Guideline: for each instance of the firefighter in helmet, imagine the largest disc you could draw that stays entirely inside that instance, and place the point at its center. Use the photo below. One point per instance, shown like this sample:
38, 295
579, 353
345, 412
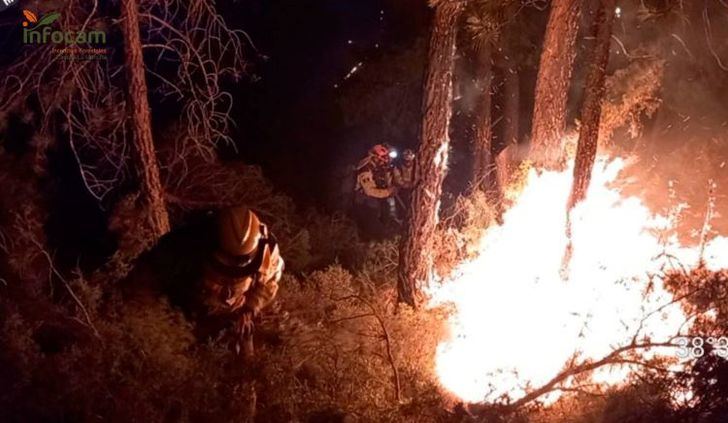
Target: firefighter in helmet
375, 189
404, 177
404, 173
242, 276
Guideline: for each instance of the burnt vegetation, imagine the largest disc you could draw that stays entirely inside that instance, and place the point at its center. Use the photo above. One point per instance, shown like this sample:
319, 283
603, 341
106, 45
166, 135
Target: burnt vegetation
111, 171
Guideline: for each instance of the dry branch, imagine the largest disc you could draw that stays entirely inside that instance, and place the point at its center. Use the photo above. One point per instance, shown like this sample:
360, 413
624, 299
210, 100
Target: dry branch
387, 340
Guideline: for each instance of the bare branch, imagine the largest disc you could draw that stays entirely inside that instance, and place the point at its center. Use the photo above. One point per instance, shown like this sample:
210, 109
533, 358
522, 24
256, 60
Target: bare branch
387, 341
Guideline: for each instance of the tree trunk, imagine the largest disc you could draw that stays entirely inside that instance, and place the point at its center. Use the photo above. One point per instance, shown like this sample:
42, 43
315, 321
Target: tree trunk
511, 99
416, 257
507, 158
552, 84
592, 107
145, 158
483, 142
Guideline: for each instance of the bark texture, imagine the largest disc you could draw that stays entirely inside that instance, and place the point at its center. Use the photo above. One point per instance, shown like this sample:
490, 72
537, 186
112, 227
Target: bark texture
592, 107
416, 256
552, 84
145, 158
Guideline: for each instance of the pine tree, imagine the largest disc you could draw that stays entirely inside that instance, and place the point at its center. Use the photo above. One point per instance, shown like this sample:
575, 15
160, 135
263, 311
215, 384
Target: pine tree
415, 258
592, 107
485, 21
152, 194
552, 84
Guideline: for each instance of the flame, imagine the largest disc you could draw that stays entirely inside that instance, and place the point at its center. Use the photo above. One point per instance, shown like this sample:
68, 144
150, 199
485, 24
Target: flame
519, 319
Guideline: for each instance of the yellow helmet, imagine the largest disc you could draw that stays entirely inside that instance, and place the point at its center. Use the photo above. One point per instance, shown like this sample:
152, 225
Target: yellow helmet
239, 231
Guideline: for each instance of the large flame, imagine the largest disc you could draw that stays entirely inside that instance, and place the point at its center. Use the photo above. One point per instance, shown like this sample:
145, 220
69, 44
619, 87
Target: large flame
519, 318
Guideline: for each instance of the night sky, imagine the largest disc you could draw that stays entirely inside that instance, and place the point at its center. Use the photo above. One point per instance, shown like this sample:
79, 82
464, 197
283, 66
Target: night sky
287, 116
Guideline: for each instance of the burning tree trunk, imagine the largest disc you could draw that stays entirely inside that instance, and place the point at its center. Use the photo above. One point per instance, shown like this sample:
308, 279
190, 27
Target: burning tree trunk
415, 258
145, 156
552, 85
482, 148
592, 108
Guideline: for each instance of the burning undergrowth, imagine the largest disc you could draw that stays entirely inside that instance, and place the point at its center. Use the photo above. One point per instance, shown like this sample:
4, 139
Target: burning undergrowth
527, 322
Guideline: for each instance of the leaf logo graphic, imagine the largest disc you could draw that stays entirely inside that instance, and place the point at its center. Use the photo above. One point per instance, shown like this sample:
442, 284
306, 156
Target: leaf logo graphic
45, 20
30, 16
49, 18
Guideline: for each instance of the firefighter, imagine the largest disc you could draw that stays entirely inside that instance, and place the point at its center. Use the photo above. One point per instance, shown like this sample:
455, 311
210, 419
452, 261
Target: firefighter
374, 198
404, 178
242, 275
404, 173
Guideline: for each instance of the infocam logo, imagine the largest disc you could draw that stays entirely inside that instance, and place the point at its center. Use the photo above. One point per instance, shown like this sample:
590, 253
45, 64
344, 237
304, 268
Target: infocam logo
39, 31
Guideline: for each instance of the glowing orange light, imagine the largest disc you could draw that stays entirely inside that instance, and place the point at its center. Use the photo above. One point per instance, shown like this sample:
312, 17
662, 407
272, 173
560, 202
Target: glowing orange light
518, 321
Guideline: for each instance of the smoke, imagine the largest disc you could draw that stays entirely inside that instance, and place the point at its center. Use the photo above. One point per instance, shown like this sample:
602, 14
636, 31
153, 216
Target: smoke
680, 138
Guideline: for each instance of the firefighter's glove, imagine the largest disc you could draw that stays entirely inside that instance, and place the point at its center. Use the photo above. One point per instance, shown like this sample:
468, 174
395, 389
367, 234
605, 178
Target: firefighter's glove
244, 330
245, 325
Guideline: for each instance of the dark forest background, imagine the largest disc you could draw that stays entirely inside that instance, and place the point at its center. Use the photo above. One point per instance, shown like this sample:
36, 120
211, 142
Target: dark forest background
79, 344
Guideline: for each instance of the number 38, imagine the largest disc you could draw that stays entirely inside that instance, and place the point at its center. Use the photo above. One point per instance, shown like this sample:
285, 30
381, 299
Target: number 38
690, 347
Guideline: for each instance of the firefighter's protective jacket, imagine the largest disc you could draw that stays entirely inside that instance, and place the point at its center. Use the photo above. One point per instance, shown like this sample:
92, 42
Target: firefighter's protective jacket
404, 176
248, 282
374, 181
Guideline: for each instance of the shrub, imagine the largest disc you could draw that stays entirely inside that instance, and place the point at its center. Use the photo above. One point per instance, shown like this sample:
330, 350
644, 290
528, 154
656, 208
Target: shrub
337, 332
